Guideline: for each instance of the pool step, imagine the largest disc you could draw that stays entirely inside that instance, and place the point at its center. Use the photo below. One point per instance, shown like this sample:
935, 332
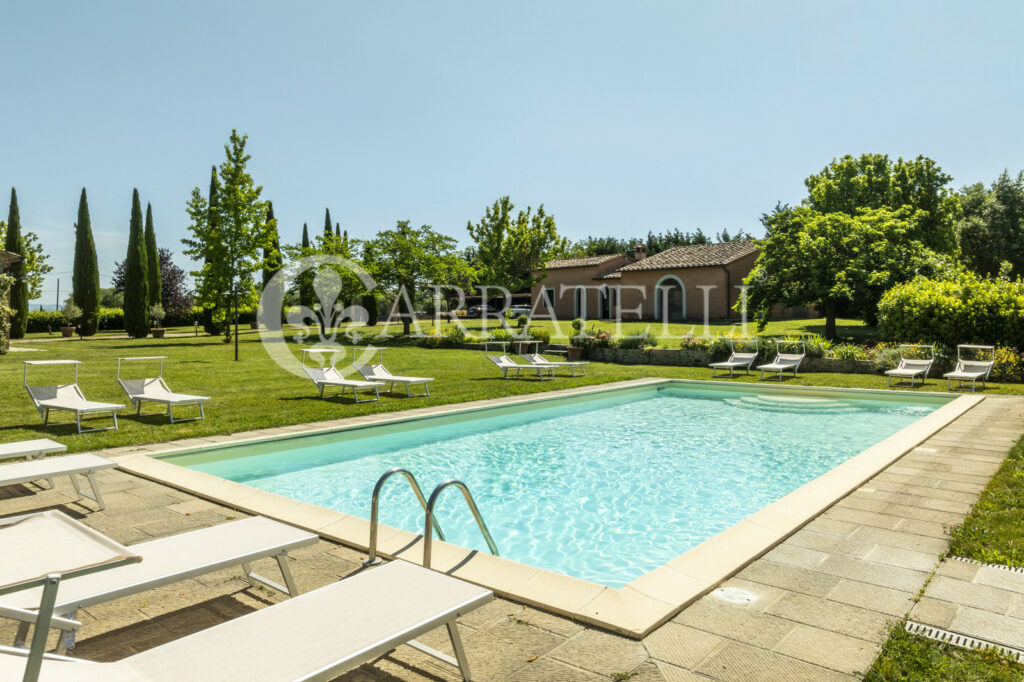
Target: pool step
775, 403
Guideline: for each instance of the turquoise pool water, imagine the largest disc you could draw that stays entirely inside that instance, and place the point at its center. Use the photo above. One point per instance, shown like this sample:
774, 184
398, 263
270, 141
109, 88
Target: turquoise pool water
603, 488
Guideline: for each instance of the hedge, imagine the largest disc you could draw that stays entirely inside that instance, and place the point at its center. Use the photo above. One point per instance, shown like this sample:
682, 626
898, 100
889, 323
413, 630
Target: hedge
964, 309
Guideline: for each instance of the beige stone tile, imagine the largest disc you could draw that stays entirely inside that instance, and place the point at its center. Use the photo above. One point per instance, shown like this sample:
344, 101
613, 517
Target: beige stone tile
831, 544
829, 615
681, 645
600, 652
926, 528
626, 611
989, 626
498, 574
998, 577
737, 662
789, 578
725, 553
892, 538
668, 585
673, 673
735, 622
883, 599
561, 593
547, 669
934, 612
904, 558
875, 574
793, 555
958, 570
829, 650
969, 594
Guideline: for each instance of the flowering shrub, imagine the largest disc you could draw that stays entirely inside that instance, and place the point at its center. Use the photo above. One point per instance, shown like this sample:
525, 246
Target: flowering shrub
1009, 365
642, 340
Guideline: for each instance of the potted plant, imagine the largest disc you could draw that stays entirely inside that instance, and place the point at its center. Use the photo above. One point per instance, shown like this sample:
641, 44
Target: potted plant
156, 316
71, 314
575, 350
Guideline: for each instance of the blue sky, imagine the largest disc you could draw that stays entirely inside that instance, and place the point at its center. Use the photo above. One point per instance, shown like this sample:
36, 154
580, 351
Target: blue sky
619, 117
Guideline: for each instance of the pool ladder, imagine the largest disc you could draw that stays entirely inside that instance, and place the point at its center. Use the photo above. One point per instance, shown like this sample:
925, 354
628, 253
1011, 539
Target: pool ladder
430, 523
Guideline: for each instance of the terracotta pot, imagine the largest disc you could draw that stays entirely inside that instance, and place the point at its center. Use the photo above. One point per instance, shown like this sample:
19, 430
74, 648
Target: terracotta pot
158, 332
254, 325
67, 331
573, 353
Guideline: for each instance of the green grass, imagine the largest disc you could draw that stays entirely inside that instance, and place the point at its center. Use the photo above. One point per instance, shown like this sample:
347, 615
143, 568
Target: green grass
994, 530
256, 393
846, 330
911, 658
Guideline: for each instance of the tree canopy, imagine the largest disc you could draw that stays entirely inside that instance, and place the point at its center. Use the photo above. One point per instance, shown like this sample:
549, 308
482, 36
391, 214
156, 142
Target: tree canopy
407, 259
849, 185
839, 262
510, 245
991, 230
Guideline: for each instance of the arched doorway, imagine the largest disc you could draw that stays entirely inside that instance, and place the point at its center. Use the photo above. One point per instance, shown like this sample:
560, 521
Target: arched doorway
670, 299
579, 303
605, 301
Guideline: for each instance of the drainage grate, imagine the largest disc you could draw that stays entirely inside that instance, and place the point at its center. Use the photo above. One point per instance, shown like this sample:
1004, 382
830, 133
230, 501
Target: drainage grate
1011, 569
956, 639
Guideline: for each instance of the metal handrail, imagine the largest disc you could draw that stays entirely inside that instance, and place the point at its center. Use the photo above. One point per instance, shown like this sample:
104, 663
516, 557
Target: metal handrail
372, 558
429, 521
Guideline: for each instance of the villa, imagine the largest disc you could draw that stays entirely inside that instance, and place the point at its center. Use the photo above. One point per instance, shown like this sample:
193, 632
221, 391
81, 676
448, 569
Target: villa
674, 285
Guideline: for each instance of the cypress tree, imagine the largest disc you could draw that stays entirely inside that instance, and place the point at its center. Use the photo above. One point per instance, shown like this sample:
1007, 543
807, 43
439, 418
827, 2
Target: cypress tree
85, 278
209, 325
272, 249
152, 260
328, 229
136, 276
19, 290
337, 230
306, 293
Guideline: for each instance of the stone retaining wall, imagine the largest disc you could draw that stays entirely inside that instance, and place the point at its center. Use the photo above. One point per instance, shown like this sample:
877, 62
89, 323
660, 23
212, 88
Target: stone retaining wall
699, 358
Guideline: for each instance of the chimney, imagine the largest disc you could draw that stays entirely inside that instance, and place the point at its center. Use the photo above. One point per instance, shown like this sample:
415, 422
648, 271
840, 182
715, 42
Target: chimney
639, 251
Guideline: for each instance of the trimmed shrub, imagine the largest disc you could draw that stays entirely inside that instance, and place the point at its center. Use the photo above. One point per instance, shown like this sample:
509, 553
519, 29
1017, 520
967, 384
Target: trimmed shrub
642, 340
540, 334
848, 351
964, 309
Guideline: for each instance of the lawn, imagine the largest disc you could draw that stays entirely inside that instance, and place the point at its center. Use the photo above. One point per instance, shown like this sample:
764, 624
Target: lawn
911, 658
257, 393
994, 530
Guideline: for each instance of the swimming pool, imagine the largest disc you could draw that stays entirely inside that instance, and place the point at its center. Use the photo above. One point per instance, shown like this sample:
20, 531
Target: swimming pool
605, 486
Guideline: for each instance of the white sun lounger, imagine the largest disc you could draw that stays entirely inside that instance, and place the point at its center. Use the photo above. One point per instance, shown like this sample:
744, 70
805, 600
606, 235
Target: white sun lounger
538, 360
736, 361
783, 362
155, 390
329, 376
510, 369
173, 559
31, 449
315, 636
911, 368
971, 371
85, 465
379, 372
66, 397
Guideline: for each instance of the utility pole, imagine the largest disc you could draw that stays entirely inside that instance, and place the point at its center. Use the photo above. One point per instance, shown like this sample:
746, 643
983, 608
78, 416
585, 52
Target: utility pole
58, 294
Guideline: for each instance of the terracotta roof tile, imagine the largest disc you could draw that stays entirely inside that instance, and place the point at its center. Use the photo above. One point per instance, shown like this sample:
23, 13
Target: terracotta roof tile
585, 262
694, 256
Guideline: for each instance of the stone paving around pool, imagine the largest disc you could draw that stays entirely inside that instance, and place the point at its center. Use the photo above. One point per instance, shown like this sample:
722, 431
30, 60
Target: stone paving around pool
825, 594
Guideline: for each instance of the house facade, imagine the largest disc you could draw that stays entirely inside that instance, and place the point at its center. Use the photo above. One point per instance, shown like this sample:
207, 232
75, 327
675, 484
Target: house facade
697, 282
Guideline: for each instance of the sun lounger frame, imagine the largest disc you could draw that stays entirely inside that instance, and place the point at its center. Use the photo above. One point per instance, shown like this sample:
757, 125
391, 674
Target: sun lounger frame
784, 362
182, 400
83, 464
378, 372
538, 360
742, 360
44, 410
962, 376
332, 377
908, 369
507, 364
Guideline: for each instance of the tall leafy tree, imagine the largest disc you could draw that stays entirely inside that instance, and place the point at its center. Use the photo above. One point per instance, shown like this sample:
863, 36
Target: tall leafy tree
835, 261
850, 184
272, 247
510, 245
153, 260
176, 300
85, 278
236, 238
34, 262
136, 275
991, 229
19, 289
406, 260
